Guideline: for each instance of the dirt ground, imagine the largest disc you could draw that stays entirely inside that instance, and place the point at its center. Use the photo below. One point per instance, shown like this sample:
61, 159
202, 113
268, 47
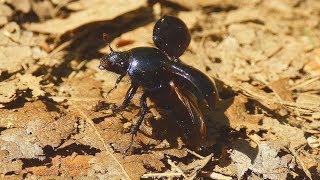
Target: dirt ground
56, 118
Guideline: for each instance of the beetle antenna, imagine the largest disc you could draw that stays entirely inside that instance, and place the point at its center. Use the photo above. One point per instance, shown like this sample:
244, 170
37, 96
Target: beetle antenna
110, 48
106, 39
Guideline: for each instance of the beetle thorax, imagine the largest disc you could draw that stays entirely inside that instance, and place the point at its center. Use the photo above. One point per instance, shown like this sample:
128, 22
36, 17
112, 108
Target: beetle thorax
146, 68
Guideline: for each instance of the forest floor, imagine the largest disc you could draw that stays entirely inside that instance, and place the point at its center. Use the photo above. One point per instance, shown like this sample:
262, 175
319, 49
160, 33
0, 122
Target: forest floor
56, 118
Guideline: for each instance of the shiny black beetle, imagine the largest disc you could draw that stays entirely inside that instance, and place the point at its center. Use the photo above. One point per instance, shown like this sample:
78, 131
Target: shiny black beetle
159, 69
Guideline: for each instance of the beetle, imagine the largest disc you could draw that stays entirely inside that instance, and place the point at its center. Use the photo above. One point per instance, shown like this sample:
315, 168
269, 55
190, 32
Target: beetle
158, 69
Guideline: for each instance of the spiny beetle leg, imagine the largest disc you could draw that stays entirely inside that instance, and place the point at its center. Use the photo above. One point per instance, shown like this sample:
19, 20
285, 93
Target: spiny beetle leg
130, 93
135, 128
117, 82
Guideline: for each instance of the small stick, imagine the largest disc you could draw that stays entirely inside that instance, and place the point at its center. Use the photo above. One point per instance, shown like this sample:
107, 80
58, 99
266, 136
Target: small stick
195, 154
160, 175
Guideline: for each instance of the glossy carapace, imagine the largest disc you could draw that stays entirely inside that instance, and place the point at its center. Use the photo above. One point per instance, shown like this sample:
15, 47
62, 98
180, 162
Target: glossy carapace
157, 69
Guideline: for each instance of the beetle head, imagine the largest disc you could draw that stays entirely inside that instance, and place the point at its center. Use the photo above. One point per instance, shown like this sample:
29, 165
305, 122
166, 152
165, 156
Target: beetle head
116, 61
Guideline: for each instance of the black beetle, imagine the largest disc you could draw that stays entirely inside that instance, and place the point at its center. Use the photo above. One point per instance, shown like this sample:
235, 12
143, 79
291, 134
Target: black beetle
159, 69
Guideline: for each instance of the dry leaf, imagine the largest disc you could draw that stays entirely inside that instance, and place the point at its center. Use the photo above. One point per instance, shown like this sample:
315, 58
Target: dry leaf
238, 116
267, 163
280, 87
313, 66
19, 144
252, 47
8, 91
244, 34
98, 10
28, 81
305, 98
21, 5
17, 60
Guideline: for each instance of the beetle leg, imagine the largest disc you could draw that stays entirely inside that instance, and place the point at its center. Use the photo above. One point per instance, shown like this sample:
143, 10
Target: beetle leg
135, 128
130, 93
117, 82
144, 110
175, 59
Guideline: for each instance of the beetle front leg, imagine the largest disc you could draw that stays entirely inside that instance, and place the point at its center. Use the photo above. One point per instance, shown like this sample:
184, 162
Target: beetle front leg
117, 82
130, 93
135, 128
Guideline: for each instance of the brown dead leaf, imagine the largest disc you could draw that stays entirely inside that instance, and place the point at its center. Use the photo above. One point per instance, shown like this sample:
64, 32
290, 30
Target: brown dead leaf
285, 134
43, 9
52, 133
280, 88
248, 45
135, 164
193, 168
17, 60
279, 6
313, 66
267, 163
21, 117
5, 14
97, 10
104, 167
313, 141
19, 144
306, 98
33, 128
8, 165
13, 40
20, 5
139, 37
46, 170
238, 116
77, 165
87, 135
5, 10
243, 15
60, 2
74, 165
285, 63
74, 91
179, 153
28, 81
244, 34
191, 18
193, 5
8, 91
3, 20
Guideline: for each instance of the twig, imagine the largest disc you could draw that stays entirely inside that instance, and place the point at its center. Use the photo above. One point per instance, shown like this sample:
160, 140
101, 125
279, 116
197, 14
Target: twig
76, 99
305, 83
267, 101
204, 161
215, 175
195, 154
161, 175
176, 168
255, 138
59, 48
89, 120
304, 168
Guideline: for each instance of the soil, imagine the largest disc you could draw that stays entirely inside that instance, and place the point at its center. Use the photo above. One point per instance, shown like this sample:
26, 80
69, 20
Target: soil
57, 119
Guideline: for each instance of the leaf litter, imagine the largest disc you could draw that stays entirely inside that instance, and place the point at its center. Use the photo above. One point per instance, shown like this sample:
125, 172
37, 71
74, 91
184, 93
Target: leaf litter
56, 117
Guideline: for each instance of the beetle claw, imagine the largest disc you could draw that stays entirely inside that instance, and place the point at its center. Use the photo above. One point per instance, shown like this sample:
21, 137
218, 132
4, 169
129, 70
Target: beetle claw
130, 144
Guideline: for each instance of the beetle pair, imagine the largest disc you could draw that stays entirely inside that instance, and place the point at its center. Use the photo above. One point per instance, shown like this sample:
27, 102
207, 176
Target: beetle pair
158, 69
